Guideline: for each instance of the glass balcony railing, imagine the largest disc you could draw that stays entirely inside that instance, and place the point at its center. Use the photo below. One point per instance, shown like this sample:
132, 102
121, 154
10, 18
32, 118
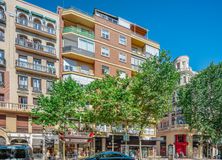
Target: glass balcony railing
77, 69
78, 50
35, 46
36, 67
36, 26
80, 31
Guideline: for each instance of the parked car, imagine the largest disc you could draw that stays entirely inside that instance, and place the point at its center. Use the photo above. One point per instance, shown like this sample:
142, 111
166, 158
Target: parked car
219, 156
12, 152
109, 156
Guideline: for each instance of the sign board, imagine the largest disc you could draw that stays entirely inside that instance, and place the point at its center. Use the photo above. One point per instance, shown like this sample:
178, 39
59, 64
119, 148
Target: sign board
125, 137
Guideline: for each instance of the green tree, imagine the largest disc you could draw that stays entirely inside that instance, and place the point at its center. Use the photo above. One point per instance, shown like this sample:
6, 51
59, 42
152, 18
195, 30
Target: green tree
201, 101
153, 88
112, 102
61, 107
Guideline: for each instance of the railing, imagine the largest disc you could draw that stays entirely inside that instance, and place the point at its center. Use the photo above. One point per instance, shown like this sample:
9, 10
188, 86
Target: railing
36, 89
77, 69
2, 62
35, 46
35, 67
22, 87
135, 67
78, 50
80, 31
16, 106
2, 16
36, 26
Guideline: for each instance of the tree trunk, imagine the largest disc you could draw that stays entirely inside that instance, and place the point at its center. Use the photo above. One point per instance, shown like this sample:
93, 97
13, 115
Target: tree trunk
63, 150
140, 148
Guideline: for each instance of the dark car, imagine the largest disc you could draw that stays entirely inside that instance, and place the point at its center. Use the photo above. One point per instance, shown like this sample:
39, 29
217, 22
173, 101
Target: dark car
20, 152
110, 156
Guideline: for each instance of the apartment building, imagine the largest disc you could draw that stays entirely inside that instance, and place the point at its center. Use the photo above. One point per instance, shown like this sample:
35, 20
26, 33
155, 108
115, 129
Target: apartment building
29, 62
93, 45
173, 128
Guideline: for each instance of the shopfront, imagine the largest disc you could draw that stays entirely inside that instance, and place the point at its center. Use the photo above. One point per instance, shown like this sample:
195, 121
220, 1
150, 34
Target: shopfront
181, 145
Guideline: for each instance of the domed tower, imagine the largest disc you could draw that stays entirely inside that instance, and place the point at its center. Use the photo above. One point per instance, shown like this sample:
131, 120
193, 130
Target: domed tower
186, 72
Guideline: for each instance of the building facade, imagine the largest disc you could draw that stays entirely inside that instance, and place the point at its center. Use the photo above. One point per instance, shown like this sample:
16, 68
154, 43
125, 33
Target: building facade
93, 45
173, 128
38, 47
29, 57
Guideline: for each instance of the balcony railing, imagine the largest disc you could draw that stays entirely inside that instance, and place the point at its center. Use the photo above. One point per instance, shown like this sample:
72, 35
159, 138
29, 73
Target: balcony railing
77, 69
35, 26
2, 62
135, 67
78, 50
16, 106
35, 67
23, 87
80, 31
35, 46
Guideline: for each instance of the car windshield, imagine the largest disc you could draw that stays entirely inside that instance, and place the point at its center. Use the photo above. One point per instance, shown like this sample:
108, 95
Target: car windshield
12, 153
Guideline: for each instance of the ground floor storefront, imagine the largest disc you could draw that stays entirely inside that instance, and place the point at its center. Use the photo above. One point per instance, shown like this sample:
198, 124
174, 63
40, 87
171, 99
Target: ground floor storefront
183, 144
131, 147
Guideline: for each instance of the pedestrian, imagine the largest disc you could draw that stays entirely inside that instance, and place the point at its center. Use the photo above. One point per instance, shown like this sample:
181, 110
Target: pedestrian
75, 155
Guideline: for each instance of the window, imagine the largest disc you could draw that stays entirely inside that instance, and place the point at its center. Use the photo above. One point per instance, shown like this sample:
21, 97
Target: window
105, 70
70, 65
122, 74
49, 85
181, 138
51, 67
178, 65
1, 79
2, 97
86, 45
23, 62
23, 82
23, 100
105, 51
35, 101
37, 64
36, 85
184, 79
2, 35
136, 61
37, 24
105, 34
2, 57
122, 40
122, 57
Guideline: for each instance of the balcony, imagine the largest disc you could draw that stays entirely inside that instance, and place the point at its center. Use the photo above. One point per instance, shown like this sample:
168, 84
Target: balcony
15, 107
79, 31
28, 46
36, 28
35, 68
2, 17
23, 87
2, 62
77, 69
73, 52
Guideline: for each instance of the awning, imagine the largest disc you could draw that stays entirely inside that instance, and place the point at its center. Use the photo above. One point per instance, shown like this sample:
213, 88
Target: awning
50, 19
22, 9
37, 14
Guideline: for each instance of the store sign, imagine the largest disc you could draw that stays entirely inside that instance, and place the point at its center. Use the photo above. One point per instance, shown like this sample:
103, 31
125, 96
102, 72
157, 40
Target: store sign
77, 140
125, 137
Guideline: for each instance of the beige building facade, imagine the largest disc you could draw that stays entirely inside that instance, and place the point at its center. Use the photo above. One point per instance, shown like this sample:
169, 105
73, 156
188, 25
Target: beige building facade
173, 128
29, 57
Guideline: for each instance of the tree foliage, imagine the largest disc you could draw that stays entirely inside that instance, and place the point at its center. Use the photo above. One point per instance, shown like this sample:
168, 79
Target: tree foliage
112, 101
153, 88
201, 101
61, 106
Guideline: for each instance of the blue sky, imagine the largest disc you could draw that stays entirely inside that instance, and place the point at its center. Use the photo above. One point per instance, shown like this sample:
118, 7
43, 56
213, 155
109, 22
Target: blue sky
184, 27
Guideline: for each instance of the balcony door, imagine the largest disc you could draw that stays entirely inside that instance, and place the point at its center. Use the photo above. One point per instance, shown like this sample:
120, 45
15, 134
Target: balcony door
23, 61
37, 64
